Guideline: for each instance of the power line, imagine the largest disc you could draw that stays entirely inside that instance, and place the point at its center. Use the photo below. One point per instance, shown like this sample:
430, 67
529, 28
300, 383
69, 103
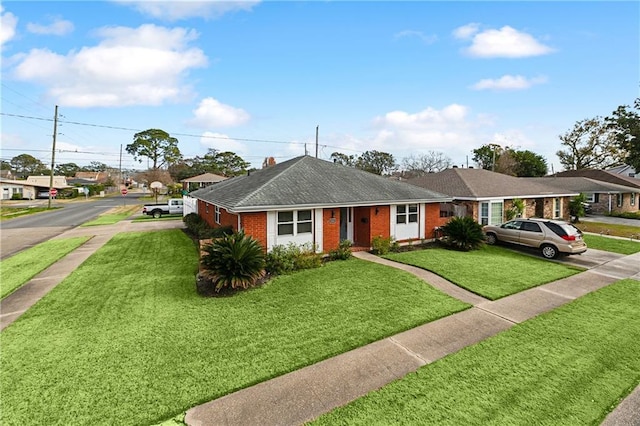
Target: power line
104, 126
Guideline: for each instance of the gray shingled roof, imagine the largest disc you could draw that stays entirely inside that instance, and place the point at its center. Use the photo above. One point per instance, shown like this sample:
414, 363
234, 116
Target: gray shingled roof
583, 184
310, 182
602, 175
473, 184
205, 177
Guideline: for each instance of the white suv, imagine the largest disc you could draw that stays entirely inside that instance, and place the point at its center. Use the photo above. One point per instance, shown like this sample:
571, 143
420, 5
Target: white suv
552, 237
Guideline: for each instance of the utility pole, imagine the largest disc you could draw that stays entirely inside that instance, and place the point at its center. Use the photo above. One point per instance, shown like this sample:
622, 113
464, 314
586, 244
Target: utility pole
317, 141
120, 169
53, 152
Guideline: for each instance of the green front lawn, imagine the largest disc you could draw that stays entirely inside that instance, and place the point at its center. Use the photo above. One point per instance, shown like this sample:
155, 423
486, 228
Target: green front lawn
492, 272
114, 215
126, 340
13, 212
611, 244
20, 268
570, 366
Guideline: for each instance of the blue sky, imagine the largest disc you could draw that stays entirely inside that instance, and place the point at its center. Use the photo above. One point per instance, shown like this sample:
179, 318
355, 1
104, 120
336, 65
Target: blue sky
256, 78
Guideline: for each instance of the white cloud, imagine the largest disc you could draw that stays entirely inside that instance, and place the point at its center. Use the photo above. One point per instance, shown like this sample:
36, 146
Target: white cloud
8, 23
506, 42
58, 27
451, 130
417, 34
131, 66
223, 143
176, 10
508, 82
212, 113
466, 31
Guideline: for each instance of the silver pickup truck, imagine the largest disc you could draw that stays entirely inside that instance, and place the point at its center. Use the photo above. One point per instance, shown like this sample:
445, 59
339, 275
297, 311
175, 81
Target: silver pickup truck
172, 206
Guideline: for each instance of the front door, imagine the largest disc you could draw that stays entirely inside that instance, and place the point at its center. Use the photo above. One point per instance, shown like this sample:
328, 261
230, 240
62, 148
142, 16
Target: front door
346, 224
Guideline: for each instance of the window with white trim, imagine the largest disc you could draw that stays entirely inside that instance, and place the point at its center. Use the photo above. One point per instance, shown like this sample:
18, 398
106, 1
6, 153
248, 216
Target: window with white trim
216, 215
407, 213
295, 222
491, 212
619, 199
632, 199
590, 198
557, 207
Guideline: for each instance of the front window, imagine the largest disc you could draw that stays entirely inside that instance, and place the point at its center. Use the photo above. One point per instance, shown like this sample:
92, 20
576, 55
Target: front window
590, 198
491, 212
407, 213
295, 222
619, 200
632, 199
557, 207
216, 215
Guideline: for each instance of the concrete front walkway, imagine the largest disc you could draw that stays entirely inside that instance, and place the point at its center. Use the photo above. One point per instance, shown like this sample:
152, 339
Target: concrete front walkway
305, 394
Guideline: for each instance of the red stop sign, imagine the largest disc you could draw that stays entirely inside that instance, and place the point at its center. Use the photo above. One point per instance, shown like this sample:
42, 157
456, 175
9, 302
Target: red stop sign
124, 191
53, 192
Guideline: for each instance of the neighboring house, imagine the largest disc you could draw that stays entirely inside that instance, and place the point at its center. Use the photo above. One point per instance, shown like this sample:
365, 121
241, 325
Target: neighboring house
307, 200
604, 197
20, 187
201, 181
617, 192
486, 195
6, 174
41, 184
95, 177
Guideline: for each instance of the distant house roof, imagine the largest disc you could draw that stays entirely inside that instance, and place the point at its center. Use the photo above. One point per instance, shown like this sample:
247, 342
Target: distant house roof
309, 182
583, 184
476, 184
602, 175
94, 176
624, 170
206, 177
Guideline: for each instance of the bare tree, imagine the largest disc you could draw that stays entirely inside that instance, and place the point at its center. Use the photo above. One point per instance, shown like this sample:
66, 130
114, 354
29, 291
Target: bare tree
591, 144
419, 165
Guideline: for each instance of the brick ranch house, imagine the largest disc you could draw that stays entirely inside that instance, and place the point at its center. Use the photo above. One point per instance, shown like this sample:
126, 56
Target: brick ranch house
486, 195
307, 200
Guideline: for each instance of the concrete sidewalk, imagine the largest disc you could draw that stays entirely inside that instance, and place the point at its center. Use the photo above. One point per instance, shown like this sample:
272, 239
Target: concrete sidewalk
305, 394
15, 304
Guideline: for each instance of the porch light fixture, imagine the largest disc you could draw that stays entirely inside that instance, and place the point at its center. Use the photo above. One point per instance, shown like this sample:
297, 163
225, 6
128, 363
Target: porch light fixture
333, 214
377, 211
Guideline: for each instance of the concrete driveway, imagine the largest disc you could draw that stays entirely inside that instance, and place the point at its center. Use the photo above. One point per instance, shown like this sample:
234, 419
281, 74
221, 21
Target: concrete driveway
610, 219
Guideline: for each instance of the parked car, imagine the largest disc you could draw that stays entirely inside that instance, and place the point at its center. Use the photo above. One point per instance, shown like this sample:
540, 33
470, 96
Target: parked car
172, 206
552, 237
587, 208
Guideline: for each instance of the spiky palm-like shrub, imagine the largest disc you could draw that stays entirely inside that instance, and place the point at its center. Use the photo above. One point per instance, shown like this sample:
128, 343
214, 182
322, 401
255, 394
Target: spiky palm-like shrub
236, 261
463, 233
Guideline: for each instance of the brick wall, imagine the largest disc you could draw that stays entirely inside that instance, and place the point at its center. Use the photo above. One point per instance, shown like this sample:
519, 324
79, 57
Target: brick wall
330, 229
432, 219
255, 224
207, 212
380, 225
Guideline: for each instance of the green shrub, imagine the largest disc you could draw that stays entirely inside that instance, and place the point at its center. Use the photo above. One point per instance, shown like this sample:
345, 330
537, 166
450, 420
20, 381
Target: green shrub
17, 196
279, 260
463, 233
343, 252
236, 260
199, 228
380, 245
627, 215
307, 257
286, 259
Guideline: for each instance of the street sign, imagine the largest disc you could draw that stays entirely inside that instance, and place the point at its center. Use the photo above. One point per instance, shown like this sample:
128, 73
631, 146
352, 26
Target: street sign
124, 191
53, 192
